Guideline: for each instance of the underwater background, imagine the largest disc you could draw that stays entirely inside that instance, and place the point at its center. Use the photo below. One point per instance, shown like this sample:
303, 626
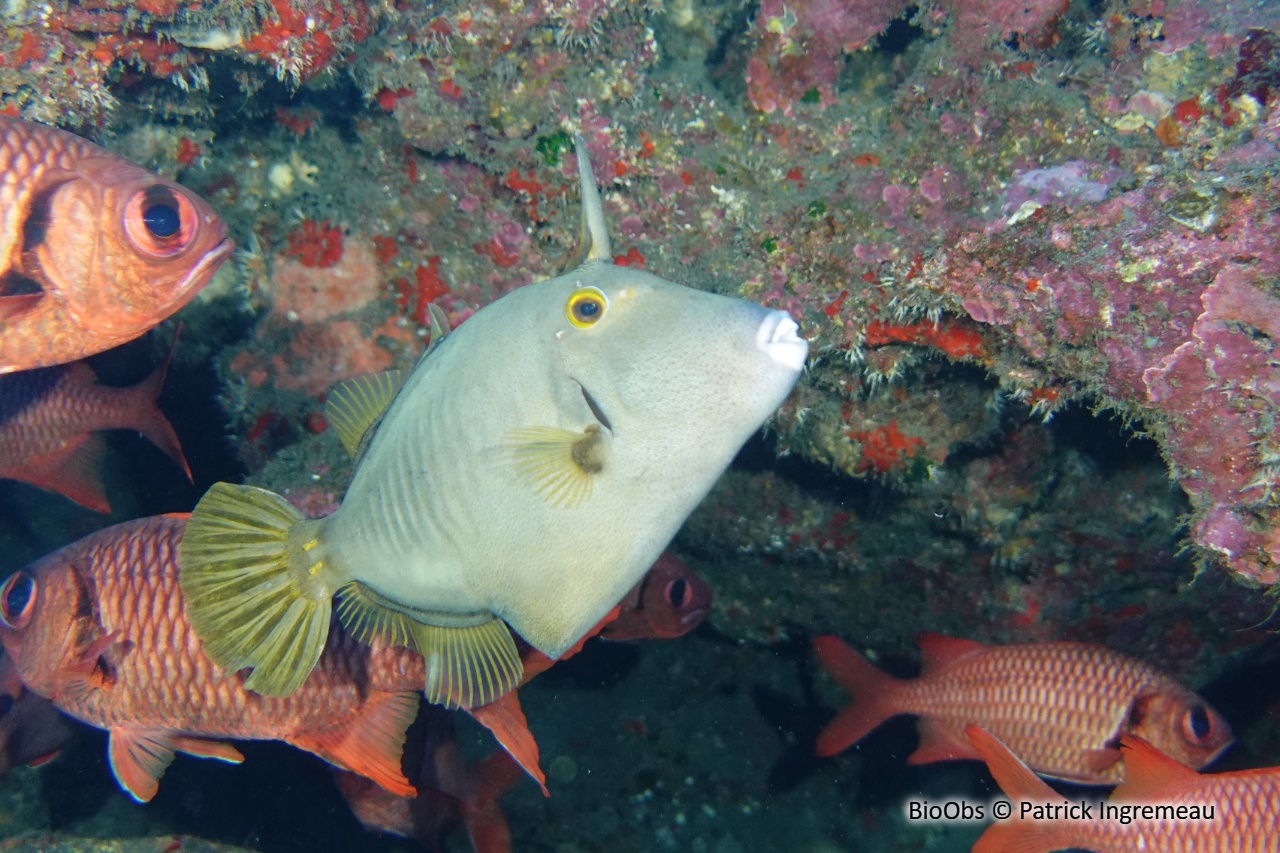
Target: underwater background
1008, 230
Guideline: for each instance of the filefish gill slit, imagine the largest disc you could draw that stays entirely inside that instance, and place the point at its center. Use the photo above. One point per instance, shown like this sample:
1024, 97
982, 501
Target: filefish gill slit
17, 600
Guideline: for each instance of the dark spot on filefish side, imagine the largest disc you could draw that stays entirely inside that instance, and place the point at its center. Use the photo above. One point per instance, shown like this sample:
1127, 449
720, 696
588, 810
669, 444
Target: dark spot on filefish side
586, 451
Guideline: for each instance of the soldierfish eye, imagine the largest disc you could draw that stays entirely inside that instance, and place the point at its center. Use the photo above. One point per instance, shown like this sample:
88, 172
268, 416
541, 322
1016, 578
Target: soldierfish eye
677, 593
17, 600
1196, 725
586, 306
159, 221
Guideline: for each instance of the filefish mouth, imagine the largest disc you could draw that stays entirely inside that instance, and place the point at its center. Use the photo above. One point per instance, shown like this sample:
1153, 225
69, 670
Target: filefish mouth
779, 337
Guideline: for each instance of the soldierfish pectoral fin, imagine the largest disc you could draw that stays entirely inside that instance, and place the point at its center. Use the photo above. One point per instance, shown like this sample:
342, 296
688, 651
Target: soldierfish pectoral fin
139, 757
13, 307
356, 405
254, 599
467, 665
559, 464
372, 744
593, 239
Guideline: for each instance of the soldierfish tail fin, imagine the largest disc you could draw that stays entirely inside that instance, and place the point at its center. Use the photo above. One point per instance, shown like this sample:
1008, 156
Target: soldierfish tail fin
870, 689
145, 416
372, 744
485, 822
1020, 784
252, 595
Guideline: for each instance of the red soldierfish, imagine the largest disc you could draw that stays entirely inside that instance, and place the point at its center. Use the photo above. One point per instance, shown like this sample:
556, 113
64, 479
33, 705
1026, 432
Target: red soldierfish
48, 421
1062, 706
94, 250
100, 628
670, 601
1245, 803
451, 795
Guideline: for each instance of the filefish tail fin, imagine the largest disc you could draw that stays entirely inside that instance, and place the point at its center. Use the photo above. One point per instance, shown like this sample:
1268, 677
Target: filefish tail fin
870, 692
1020, 784
372, 744
145, 416
252, 598
467, 666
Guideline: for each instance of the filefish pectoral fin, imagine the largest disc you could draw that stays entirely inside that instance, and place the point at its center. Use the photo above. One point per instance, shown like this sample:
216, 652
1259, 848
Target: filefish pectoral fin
560, 464
466, 665
354, 407
252, 596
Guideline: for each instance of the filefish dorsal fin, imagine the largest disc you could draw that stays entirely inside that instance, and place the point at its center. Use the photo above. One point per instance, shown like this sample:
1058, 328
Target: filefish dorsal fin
355, 406
593, 240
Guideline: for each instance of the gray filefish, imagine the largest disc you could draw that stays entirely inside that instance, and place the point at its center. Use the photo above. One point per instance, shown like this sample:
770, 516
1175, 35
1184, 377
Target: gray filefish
528, 472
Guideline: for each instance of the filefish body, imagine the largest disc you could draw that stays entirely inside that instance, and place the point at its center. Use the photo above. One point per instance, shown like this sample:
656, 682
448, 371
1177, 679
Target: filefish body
530, 469
1061, 706
94, 250
99, 628
49, 418
1245, 804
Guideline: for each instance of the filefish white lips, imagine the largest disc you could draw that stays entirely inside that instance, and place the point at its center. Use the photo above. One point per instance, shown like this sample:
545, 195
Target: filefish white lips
779, 336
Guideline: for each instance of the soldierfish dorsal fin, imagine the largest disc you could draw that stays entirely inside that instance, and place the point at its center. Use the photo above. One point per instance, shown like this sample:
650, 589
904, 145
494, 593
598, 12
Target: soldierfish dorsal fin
593, 241
938, 651
1149, 774
355, 406
1019, 784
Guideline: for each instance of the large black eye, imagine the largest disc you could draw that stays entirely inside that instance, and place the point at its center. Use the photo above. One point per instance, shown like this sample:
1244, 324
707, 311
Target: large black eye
1196, 724
162, 220
17, 600
678, 593
586, 306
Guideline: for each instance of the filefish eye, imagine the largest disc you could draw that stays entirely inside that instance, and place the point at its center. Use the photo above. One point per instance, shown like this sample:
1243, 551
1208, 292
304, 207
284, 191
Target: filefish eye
1196, 725
586, 306
159, 221
17, 600
677, 593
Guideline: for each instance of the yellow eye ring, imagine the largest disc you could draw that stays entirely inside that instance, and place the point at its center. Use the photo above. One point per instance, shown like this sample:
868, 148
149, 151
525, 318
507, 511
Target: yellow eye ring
586, 306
